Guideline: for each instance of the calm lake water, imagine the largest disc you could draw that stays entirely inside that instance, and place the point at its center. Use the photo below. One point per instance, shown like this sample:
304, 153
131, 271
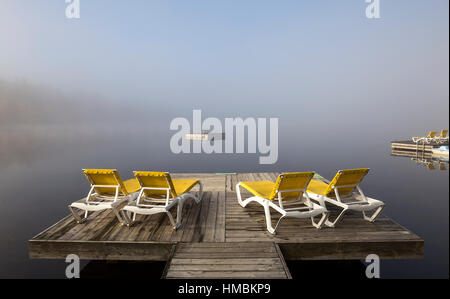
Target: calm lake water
40, 174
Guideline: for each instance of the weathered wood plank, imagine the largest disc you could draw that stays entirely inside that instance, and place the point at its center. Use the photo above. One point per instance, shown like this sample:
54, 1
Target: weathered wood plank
200, 225
282, 261
216, 260
211, 221
211, 182
136, 251
193, 218
353, 250
236, 267
226, 275
228, 261
219, 234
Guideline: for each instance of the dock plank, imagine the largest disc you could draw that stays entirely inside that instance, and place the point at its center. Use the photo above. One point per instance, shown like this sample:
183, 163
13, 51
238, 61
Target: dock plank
218, 261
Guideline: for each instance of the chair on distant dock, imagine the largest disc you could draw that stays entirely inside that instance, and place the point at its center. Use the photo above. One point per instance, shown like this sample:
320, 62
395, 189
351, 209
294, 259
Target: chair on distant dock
159, 193
287, 196
108, 191
443, 137
340, 192
426, 139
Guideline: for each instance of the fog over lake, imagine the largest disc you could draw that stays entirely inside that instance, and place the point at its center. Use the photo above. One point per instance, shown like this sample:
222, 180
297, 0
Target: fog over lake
101, 92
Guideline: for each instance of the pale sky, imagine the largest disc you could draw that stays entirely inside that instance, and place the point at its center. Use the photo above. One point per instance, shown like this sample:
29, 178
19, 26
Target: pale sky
320, 62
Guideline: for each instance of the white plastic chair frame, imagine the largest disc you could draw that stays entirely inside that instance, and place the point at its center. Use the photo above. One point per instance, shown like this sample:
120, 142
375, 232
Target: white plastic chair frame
312, 209
441, 140
426, 140
362, 203
429, 140
150, 209
92, 206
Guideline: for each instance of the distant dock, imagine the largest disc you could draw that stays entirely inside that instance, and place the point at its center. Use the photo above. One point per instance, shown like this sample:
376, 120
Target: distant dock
411, 146
220, 239
411, 149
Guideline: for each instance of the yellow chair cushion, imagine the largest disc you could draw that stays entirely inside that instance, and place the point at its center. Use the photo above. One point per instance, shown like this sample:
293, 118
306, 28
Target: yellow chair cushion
183, 186
163, 180
132, 185
318, 187
259, 188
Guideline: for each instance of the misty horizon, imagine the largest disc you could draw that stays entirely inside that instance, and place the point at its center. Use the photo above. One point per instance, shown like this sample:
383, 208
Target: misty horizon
306, 63
102, 91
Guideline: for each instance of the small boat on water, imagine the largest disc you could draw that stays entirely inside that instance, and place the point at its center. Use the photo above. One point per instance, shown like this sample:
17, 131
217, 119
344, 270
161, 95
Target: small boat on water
205, 136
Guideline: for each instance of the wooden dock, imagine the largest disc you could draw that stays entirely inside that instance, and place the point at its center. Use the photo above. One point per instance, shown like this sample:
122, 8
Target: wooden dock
418, 151
220, 229
409, 145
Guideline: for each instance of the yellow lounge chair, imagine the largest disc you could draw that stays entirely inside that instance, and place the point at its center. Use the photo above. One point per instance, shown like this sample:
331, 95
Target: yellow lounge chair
443, 137
108, 191
340, 192
289, 190
159, 193
427, 139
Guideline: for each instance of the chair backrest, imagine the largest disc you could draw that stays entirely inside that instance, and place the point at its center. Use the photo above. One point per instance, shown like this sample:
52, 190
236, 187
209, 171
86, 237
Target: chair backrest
158, 180
432, 134
349, 177
107, 177
443, 134
291, 181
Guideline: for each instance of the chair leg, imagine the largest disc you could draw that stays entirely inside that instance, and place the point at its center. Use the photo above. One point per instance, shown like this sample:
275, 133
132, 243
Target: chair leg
338, 218
269, 218
264, 203
119, 217
278, 223
199, 196
77, 217
238, 194
179, 213
172, 221
374, 215
241, 202
126, 217
321, 222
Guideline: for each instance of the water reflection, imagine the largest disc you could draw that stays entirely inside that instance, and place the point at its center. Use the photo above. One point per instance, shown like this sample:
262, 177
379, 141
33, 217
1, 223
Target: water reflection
432, 164
429, 160
23, 145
